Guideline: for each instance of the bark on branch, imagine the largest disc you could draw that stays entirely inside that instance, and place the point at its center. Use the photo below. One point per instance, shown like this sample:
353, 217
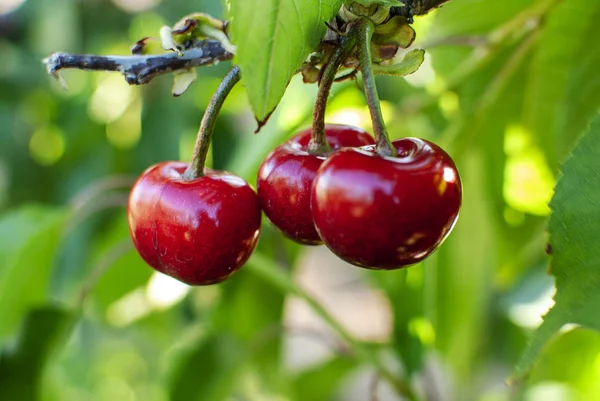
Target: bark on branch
140, 69
416, 7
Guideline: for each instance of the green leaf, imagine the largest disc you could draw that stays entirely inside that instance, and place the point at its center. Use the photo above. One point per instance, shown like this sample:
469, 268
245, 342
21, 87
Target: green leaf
182, 81
321, 382
409, 64
30, 236
126, 270
21, 370
581, 99
561, 48
574, 232
395, 30
207, 370
571, 359
389, 37
273, 38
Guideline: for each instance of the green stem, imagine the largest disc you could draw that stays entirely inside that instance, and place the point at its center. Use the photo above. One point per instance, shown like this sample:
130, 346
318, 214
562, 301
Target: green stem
196, 167
364, 29
318, 143
272, 273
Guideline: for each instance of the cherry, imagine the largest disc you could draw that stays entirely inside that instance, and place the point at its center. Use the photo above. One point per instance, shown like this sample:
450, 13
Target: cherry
199, 231
285, 179
386, 212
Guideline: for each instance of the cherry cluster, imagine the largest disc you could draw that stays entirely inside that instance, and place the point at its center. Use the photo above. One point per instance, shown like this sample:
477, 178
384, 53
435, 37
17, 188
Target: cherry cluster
372, 211
375, 203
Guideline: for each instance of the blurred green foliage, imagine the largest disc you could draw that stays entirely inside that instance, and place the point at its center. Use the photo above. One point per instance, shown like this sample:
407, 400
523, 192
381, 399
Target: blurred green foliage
507, 87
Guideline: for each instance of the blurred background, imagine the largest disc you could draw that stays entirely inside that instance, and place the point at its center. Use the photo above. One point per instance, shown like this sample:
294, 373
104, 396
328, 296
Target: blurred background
506, 88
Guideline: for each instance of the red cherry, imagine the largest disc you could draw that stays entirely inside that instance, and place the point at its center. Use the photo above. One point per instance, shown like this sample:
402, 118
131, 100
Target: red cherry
285, 179
386, 212
198, 231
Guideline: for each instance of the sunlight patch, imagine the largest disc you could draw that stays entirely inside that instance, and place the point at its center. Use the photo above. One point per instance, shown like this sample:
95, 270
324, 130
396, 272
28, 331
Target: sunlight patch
528, 181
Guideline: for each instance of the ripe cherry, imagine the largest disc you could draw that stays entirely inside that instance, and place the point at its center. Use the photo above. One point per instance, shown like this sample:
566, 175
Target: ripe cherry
386, 212
198, 231
285, 179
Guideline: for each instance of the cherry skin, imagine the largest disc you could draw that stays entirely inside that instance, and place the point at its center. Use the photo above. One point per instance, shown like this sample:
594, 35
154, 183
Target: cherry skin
199, 231
386, 212
285, 179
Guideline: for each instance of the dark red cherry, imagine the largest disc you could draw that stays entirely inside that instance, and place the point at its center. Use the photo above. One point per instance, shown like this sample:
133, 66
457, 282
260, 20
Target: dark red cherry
386, 212
198, 231
285, 179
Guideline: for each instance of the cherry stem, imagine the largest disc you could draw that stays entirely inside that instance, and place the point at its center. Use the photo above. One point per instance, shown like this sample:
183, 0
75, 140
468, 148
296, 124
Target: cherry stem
365, 28
318, 143
196, 167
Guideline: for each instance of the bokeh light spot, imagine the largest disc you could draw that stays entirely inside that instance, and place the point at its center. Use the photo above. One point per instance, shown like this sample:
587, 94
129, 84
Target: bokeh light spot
125, 132
163, 291
113, 388
110, 99
145, 24
356, 117
128, 309
7, 6
528, 181
135, 6
47, 145
449, 103
37, 108
550, 391
423, 329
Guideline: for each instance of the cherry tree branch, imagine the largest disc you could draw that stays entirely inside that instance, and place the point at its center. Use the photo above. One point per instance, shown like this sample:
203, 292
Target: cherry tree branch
417, 7
140, 69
